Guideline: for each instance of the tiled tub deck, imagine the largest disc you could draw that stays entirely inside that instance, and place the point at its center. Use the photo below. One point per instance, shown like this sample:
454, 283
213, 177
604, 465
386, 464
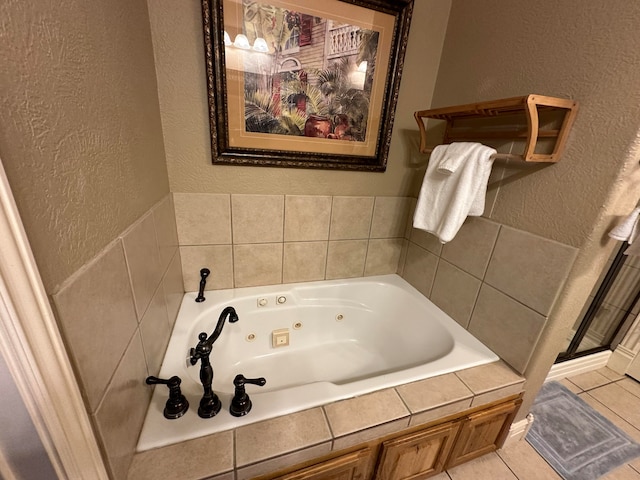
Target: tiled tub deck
271, 445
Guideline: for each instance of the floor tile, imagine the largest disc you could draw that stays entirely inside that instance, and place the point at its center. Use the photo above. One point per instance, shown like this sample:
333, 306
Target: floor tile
614, 418
624, 472
630, 385
524, 461
610, 374
487, 467
573, 388
589, 380
620, 401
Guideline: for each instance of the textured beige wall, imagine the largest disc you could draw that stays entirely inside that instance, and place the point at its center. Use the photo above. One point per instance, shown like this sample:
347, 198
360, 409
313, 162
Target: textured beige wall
80, 134
178, 48
586, 50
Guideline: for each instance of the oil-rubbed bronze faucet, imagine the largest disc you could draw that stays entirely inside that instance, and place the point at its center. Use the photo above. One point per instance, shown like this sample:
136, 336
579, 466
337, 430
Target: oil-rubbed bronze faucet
209, 403
204, 273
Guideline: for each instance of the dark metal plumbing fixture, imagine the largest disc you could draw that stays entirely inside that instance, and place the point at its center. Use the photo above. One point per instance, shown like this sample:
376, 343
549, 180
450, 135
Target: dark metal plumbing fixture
204, 273
241, 403
177, 405
210, 403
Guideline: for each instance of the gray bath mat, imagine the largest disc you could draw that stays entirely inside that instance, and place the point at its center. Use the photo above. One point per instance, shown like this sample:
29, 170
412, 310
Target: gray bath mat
578, 442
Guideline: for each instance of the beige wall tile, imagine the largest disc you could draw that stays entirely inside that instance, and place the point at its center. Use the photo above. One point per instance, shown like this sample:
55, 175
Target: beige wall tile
351, 218
217, 258
190, 460
257, 442
345, 258
121, 413
455, 292
97, 315
420, 268
203, 218
164, 219
383, 256
494, 395
491, 376
529, 268
359, 413
155, 332
440, 412
143, 260
390, 217
283, 461
370, 434
173, 288
257, 218
412, 210
304, 261
506, 326
426, 240
471, 249
403, 257
257, 264
306, 217
433, 392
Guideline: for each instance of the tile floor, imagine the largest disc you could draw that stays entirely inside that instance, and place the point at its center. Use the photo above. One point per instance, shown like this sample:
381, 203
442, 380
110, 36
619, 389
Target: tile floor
616, 397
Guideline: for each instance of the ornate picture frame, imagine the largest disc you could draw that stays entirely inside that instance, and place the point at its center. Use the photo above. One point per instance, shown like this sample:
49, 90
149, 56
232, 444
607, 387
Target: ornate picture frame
295, 83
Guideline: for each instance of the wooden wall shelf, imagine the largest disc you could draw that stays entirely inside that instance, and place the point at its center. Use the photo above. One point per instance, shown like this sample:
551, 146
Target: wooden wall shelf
513, 111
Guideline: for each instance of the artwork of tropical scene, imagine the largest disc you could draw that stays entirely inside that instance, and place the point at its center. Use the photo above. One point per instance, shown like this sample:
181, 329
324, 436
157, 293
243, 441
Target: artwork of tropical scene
304, 75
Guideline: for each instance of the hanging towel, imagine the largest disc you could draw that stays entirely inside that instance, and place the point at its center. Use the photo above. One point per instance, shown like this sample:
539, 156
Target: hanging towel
446, 199
628, 228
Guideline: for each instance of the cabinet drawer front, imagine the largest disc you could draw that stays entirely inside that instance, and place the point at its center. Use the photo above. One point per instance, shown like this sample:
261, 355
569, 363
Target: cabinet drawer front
417, 455
352, 466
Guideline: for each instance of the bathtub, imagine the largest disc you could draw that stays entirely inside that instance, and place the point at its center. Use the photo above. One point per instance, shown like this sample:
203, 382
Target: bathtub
346, 338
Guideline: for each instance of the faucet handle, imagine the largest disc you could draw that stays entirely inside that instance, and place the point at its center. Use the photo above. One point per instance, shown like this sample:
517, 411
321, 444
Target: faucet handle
177, 404
241, 403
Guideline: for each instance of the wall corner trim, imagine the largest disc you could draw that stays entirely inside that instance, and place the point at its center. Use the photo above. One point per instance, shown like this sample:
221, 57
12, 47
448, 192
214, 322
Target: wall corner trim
36, 356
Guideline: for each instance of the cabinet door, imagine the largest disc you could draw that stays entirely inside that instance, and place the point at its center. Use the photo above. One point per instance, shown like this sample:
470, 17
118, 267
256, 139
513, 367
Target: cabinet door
352, 466
417, 455
483, 432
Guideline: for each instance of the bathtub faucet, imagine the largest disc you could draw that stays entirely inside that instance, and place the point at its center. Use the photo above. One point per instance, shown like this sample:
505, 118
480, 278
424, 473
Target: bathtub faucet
209, 403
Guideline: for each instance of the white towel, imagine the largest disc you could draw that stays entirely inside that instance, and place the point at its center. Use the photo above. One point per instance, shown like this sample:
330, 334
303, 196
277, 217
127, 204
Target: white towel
627, 229
446, 200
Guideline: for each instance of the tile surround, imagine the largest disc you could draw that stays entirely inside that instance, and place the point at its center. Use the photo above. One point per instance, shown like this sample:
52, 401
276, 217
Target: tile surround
455, 292
370, 229
134, 287
506, 326
257, 264
203, 219
97, 332
271, 445
306, 217
143, 261
487, 273
257, 218
529, 268
351, 218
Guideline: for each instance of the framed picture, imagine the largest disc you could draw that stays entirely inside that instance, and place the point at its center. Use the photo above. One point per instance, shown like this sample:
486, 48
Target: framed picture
301, 83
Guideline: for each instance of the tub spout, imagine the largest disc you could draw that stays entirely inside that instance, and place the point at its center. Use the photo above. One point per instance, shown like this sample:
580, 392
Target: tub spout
210, 403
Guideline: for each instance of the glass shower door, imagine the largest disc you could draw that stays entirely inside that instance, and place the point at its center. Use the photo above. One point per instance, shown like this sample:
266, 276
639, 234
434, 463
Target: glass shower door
612, 308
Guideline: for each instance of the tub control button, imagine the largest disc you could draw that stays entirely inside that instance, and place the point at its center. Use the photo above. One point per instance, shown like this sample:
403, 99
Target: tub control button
281, 299
262, 302
280, 338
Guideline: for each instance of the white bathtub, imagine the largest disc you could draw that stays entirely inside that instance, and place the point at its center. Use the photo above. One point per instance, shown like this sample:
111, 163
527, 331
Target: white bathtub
347, 338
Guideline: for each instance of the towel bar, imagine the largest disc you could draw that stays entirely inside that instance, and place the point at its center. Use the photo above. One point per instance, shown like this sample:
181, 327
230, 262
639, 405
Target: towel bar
516, 118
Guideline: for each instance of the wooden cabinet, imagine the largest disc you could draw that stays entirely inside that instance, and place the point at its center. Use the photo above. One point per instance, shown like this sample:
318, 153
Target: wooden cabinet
417, 455
351, 466
420, 453
483, 432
